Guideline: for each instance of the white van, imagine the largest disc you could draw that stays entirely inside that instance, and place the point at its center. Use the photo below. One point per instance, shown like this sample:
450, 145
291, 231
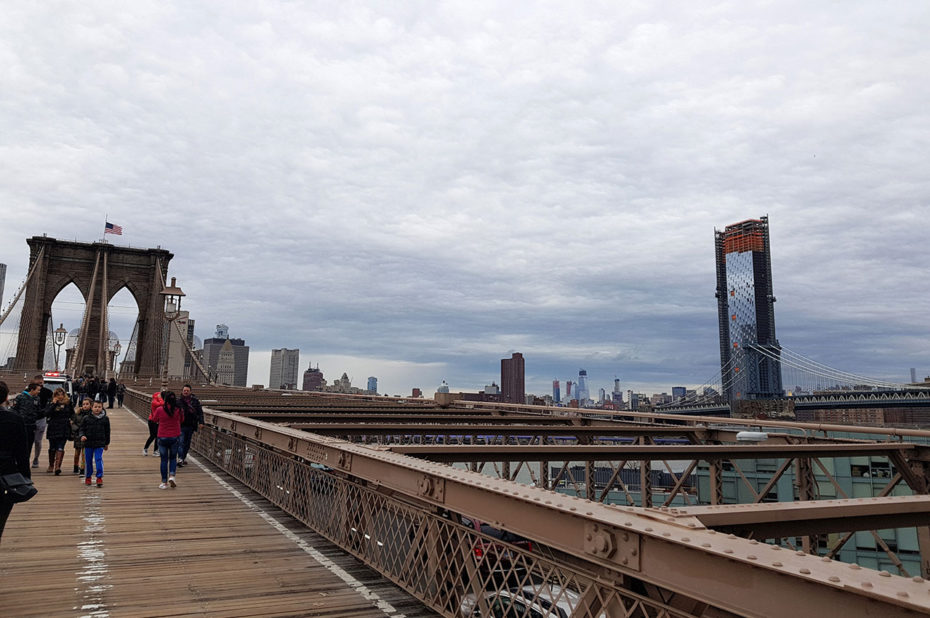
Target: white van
56, 379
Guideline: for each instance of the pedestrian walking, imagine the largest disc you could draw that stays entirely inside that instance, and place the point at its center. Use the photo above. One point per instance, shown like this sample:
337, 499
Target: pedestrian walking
112, 387
95, 435
44, 399
157, 402
76, 419
14, 449
120, 394
193, 420
169, 417
27, 407
58, 414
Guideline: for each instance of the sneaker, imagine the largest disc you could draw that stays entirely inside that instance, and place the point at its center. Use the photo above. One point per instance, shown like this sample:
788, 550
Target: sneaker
163, 486
35, 464
87, 480
145, 453
99, 481
77, 470
171, 481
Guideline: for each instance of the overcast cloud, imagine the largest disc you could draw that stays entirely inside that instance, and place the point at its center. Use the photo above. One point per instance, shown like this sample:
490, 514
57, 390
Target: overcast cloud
414, 190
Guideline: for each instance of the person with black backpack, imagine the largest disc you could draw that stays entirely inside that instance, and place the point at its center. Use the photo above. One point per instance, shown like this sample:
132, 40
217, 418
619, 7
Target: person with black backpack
14, 449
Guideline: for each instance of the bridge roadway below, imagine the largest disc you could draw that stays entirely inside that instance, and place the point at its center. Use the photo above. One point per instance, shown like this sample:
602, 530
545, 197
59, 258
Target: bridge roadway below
209, 547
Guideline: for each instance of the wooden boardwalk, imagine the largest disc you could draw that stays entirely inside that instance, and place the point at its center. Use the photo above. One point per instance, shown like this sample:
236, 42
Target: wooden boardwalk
132, 549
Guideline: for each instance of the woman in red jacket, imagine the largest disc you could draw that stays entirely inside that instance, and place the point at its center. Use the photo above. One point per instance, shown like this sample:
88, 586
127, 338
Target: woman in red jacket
157, 402
169, 417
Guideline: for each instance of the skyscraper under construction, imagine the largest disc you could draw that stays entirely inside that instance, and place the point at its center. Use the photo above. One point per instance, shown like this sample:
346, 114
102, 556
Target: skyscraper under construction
750, 357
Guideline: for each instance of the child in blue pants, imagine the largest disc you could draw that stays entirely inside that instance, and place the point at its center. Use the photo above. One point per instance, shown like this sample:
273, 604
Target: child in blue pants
95, 436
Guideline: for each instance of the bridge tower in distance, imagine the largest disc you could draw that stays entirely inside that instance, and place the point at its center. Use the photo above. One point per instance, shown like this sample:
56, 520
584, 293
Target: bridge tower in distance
750, 356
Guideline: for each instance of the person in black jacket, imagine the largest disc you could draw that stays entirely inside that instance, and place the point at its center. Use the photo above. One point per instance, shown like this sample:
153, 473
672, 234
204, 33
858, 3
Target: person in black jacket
95, 435
27, 407
58, 414
14, 449
193, 420
112, 387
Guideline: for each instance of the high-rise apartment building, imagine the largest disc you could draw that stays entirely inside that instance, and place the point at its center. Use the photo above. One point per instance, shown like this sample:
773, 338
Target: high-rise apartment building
617, 395
313, 379
750, 357
556, 392
284, 366
513, 389
581, 389
373, 385
235, 358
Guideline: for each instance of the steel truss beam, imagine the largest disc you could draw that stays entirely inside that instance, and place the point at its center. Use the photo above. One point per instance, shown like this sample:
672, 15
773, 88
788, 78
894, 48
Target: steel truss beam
481, 428
679, 554
782, 519
704, 452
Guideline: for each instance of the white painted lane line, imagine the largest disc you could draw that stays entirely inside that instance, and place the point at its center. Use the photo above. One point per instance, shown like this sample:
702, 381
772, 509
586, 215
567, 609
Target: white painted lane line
94, 573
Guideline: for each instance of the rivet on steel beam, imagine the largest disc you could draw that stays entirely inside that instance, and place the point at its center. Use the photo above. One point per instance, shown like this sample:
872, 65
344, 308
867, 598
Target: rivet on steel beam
866, 584
777, 564
854, 566
666, 534
753, 542
686, 539
648, 529
805, 571
731, 536
884, 574
776, 547
728, 551
589, 513
572, 509
834, 579
750, 557
800, 553
918, 580
902, 594
705, 544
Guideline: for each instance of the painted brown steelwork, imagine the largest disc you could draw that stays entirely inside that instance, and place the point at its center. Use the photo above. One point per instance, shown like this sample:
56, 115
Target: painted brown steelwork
784, 519
704, 452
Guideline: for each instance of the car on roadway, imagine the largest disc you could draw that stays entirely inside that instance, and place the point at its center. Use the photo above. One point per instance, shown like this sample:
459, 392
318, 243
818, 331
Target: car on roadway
497, 558
542, 600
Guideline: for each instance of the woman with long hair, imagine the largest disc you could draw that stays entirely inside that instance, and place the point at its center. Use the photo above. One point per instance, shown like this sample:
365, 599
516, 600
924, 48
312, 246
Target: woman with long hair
76, 419
58, 431
169, 417
158, 401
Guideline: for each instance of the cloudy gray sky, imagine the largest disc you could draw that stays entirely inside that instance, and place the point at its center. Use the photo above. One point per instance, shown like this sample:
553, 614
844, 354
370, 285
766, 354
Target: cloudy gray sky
414, 190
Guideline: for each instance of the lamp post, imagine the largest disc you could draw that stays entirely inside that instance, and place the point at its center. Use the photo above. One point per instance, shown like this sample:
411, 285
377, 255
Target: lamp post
173, 297
116, 350
60, 334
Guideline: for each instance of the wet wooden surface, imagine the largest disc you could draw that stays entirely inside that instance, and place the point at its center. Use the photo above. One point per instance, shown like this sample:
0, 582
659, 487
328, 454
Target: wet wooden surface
132, 549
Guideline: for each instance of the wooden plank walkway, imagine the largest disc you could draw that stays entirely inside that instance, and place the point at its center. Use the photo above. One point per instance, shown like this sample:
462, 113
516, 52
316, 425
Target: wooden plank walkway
131, 549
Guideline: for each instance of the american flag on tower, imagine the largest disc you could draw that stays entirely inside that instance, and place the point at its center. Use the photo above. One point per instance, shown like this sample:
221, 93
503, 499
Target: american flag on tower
111, 228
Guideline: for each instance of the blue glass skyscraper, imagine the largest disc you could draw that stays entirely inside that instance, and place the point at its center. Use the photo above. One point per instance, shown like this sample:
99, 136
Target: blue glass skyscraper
750, 364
